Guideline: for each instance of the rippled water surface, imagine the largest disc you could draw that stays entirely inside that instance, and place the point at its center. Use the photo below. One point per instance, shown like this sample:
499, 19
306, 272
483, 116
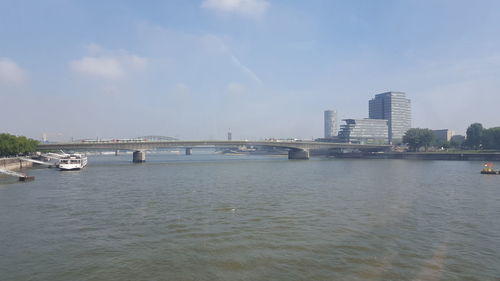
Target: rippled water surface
213, 217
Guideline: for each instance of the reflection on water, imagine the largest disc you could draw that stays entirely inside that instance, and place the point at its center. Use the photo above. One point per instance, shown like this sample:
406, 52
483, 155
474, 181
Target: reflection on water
212, 217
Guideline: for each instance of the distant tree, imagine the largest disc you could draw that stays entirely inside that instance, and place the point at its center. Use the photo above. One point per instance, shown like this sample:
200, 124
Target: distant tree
410, 138
426, 138
490, 138
440, 143
474, 135
445, 145
416, 138
11, 145
457, 141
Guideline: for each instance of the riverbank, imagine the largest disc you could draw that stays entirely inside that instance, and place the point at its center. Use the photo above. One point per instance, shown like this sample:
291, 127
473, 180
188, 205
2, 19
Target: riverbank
422, 156
14, 164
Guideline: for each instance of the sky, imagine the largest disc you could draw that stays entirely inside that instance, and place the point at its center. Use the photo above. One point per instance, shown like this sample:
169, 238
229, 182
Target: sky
194, 69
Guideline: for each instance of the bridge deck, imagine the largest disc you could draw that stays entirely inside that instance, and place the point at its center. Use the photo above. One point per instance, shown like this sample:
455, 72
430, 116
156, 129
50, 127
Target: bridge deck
146, 145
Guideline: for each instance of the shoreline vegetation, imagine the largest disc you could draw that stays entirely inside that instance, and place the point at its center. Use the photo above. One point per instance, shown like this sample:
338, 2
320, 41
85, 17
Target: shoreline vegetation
477, 138
11, 145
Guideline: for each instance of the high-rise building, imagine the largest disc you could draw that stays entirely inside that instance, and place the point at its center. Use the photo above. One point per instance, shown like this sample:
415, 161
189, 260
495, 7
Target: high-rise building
396, 109
364, 131
331, 127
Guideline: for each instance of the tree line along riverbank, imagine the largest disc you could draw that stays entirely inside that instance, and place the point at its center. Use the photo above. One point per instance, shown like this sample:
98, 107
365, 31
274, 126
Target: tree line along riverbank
11, 145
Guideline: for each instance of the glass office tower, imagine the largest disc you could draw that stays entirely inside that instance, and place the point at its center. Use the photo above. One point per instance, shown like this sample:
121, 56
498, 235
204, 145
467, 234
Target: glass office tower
364, 131
394, 107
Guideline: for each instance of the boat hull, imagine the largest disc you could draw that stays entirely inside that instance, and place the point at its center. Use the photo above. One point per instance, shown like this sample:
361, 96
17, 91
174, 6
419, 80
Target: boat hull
490, 172
69, 169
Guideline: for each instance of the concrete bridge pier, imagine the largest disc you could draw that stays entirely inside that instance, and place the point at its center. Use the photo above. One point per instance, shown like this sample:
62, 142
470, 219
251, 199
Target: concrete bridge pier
139, 156
116, 152
189, 150
301, 154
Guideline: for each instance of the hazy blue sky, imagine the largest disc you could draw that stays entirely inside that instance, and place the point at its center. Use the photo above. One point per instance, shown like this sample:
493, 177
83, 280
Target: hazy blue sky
264, 68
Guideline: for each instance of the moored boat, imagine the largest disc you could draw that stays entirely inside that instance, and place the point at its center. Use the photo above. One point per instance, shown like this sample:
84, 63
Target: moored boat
488, 169
72, 162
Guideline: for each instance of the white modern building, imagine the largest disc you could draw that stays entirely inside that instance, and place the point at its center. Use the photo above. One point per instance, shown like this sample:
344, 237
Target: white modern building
331, 125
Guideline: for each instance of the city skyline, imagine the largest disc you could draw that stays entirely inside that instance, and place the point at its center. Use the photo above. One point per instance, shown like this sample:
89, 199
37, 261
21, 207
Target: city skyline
263, 68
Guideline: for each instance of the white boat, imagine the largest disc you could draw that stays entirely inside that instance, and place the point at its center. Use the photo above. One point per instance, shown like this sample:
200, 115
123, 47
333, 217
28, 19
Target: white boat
72, 162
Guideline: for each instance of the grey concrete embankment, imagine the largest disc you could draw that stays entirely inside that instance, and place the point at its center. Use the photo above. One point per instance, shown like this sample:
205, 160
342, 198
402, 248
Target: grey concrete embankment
424, 156
14, 164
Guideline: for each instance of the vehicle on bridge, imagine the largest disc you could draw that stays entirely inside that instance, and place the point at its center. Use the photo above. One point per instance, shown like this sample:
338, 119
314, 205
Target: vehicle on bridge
112, 140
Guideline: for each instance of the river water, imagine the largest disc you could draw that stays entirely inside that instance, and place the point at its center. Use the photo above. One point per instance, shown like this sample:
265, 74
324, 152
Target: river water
215, 217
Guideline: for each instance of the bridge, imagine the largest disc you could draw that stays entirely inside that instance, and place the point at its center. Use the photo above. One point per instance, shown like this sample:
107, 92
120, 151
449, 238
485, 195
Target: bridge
296, 149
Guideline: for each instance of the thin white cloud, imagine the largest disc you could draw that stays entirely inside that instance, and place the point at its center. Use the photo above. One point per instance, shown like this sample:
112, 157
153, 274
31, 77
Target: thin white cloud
251, 8
10, 72
94, 49
181, 90
102, 67
246, 70
178, 48
234, 88
108, 64
215, 45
